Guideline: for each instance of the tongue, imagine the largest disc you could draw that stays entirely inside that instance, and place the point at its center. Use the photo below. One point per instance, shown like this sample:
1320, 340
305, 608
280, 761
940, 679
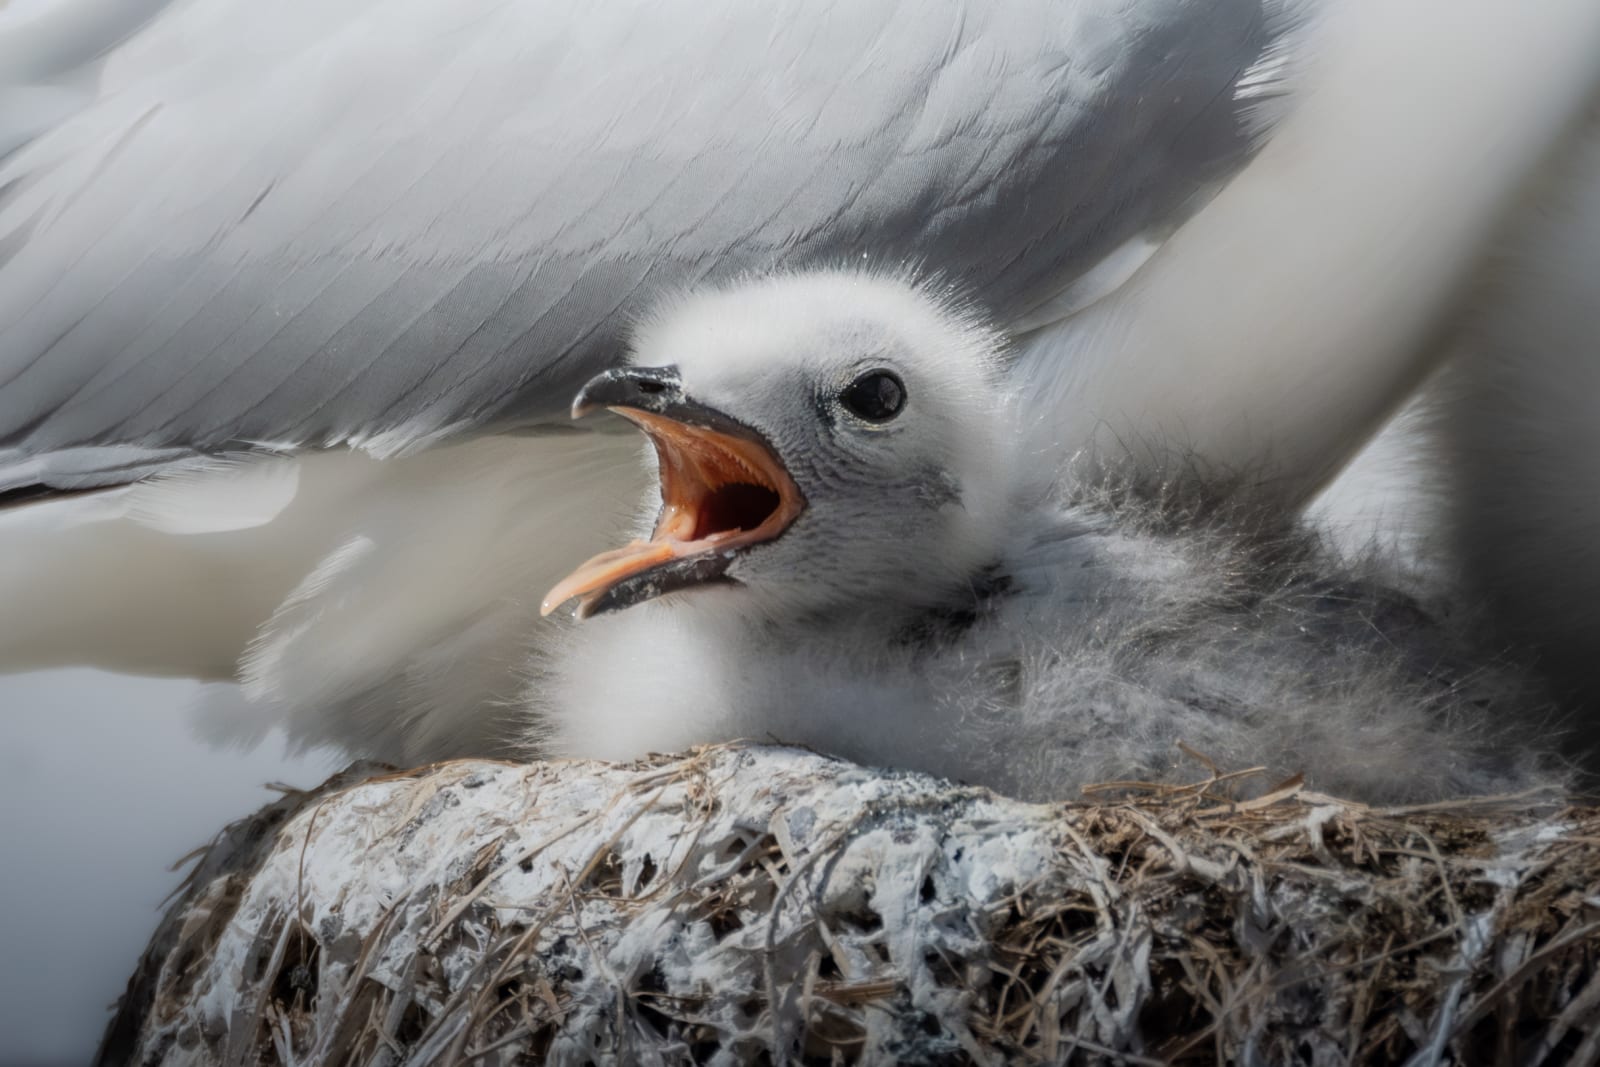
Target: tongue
606, 570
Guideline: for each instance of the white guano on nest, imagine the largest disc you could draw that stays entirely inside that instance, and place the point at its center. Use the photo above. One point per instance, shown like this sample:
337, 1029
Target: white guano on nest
765, 904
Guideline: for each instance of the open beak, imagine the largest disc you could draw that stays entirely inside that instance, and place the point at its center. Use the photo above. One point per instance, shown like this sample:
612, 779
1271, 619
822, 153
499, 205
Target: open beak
723, 490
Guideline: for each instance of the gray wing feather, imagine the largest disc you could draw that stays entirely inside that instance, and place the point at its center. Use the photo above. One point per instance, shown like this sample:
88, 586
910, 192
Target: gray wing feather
381, 222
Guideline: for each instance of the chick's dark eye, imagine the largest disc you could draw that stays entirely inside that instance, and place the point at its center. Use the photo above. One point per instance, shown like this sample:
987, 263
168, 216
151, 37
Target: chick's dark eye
876, 396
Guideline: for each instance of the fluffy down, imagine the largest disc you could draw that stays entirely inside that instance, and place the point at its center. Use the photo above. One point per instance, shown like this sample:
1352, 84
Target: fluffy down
1131, 630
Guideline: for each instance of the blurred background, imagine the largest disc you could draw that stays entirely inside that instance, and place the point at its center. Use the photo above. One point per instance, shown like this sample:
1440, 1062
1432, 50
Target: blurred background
103, 787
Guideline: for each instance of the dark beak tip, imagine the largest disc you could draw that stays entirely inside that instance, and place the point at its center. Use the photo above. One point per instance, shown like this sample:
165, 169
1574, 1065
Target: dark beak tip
586, 402
645, 388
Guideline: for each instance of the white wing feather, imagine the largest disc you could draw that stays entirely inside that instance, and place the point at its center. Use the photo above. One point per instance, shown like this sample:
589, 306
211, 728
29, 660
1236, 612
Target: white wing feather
1278, 329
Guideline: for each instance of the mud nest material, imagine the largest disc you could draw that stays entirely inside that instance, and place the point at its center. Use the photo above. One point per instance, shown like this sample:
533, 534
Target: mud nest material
768, 905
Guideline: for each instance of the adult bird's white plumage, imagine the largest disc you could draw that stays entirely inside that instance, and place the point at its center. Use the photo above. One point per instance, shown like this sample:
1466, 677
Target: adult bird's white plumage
50, 52
304, 292
1295, 313
1514, 431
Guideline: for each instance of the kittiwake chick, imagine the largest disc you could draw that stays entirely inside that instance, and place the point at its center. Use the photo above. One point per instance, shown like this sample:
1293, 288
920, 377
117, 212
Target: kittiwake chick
848, 552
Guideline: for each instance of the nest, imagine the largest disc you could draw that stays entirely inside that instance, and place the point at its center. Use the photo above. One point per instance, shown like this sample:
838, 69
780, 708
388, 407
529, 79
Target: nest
751, 904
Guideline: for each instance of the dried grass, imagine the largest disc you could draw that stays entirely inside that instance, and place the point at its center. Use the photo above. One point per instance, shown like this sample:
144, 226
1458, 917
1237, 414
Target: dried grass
767, 905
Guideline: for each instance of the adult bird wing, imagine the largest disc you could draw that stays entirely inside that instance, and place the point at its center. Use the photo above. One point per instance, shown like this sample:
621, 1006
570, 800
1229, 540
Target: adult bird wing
345, 230
385, 223
1301, 306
